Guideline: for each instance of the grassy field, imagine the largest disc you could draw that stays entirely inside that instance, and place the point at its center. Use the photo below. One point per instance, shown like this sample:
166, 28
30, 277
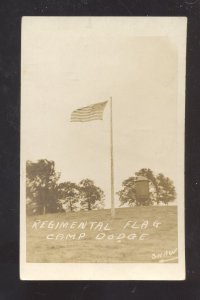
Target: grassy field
149, 236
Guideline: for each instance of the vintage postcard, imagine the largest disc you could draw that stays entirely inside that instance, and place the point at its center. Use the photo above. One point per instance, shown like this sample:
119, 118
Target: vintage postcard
102, 148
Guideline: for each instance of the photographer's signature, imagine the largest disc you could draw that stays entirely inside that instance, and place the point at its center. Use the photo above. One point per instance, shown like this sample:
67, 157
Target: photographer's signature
166, 255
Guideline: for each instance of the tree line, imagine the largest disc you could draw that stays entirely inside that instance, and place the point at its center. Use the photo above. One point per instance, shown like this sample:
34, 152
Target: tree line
45, 194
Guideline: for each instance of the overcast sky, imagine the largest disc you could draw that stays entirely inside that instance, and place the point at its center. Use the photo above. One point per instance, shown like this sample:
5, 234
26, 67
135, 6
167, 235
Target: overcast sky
68, 64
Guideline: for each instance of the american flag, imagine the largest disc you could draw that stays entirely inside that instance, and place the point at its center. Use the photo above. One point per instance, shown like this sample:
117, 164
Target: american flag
89, 113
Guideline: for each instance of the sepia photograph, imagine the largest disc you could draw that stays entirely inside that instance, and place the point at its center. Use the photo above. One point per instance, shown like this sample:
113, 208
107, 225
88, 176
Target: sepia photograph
102, 148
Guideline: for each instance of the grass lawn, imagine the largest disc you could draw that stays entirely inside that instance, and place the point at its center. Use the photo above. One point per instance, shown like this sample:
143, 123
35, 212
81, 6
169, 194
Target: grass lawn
58, 240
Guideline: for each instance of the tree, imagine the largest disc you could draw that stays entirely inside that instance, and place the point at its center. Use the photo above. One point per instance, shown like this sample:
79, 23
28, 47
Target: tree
161, 189
128, 194
41, 185
69, 194
166, 189
92, 196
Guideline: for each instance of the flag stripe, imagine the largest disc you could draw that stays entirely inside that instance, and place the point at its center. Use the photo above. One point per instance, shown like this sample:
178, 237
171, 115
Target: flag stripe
89, 113
85, 120
88, 117
86, 113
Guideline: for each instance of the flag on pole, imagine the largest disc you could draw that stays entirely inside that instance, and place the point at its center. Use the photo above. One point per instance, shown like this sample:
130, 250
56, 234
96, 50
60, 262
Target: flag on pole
89, 113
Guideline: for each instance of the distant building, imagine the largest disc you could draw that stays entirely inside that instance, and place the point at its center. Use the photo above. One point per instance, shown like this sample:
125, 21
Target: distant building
142, 190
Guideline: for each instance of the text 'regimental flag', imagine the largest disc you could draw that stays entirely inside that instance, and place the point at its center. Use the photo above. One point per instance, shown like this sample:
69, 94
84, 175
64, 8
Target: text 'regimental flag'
89, 113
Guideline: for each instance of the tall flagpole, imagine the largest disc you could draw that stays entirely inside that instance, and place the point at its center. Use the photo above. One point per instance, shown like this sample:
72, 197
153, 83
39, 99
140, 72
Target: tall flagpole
111, 163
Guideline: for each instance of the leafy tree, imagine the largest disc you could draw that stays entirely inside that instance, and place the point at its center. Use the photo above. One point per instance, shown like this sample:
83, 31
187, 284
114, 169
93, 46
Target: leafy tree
167, 192
161, 189
69, 194
41, 185
128, 194
92, 196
